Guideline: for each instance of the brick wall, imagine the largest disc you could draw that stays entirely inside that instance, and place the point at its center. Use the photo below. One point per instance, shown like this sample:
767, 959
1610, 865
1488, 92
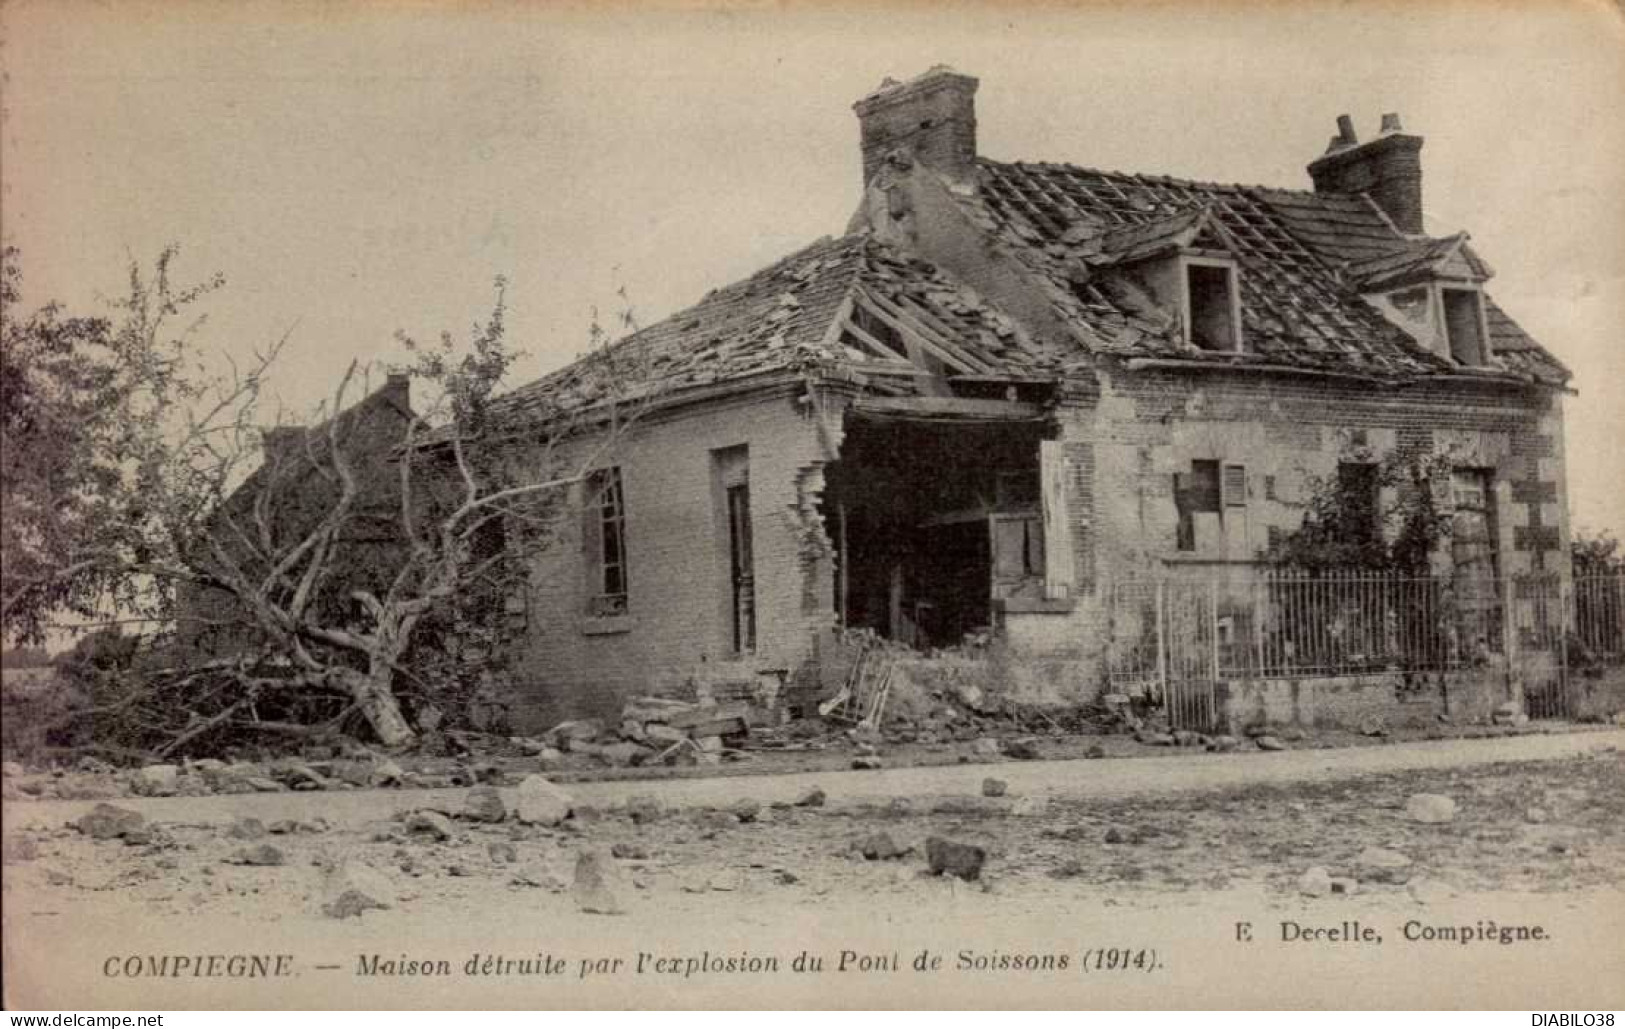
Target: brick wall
677, 627
1125, 446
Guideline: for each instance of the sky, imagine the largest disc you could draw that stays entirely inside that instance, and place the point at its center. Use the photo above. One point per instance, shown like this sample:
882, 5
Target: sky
357, 169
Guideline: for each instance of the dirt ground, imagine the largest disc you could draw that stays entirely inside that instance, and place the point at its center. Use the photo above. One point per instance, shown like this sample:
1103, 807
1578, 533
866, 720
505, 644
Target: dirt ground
1167, 853
1540, 825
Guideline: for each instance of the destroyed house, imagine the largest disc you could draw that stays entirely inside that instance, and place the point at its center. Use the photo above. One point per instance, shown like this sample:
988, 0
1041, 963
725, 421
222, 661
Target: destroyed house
1008, 387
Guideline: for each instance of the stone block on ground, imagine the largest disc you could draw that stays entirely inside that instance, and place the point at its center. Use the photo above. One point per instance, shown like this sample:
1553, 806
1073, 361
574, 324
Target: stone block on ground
350, 888
156, 781
540, 802
599, 885
1381, 865
432, 824
484, 804
880, 847
960, 860
262, 855
106, 822
1430, 808
994, 787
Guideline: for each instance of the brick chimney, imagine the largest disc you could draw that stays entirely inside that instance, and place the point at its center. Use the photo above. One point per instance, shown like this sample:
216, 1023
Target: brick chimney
932, 116
1389, 168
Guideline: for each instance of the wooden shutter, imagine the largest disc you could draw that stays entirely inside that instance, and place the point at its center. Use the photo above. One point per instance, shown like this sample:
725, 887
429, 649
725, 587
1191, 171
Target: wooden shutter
1060, 571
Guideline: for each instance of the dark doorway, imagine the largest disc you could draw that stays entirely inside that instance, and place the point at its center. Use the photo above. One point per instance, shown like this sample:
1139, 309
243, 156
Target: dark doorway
916, 507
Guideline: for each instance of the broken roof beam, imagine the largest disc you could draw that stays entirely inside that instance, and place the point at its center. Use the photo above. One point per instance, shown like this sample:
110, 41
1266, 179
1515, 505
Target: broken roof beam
947, 409
917, 332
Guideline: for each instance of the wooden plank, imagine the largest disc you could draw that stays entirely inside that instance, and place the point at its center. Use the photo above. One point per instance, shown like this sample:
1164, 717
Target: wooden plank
969, 408
699, 715
1060, 569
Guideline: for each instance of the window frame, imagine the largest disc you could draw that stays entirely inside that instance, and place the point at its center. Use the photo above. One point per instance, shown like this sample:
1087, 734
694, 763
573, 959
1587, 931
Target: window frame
1187, 264
604, 519
1481, 356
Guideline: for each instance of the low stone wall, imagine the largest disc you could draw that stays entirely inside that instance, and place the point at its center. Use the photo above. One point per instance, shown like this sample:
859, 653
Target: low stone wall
1391, 699
1598, 695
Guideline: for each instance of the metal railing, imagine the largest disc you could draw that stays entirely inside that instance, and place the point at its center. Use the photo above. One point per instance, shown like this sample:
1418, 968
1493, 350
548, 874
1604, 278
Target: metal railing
1180, 635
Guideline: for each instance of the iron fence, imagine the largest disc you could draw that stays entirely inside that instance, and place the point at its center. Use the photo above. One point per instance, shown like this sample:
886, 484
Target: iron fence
1176, 637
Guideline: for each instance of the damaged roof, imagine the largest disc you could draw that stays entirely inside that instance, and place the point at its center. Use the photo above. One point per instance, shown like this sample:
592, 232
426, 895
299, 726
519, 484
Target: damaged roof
788, 318
855, 304
1303, 257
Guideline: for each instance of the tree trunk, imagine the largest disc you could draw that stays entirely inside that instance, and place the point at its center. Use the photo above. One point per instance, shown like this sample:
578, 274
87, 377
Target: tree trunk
371, 690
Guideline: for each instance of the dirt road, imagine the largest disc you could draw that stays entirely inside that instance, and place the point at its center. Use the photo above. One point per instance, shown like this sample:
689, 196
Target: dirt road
1060, 780
1159, 859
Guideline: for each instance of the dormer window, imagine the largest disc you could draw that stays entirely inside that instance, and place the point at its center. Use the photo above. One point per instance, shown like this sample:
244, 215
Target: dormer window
1212, 304
1464, 325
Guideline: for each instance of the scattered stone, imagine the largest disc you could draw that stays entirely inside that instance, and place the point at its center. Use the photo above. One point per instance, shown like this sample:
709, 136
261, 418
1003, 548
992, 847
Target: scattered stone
18, 849
527, 745
1157, 739
1380, 865
598, 883
300, 776
1185, 738
1428, 891
1223, 744
1029, 807
246, 829
484, 804
970, 695
1071, 868
868, 763
986, 748
812, 797
386, 773
1344, 887
1508, 713
1269, 743
432, 824
140, 837
961, 860
629, 852
1293, 734
1536, 815
565, 734
1430, 808
728, 880
351, 888
263, 784
1024, 749
644, 809
1095, 752
1124, 834
540, 802
1373, 727
746, 810
156, 781
11, 769
106, 822
502, 852
994, 787
880, 847
1316, 882
262, 856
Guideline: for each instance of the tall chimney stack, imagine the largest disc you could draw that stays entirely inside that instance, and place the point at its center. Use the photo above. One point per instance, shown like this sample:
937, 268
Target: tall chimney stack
932, 116
1388, 167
